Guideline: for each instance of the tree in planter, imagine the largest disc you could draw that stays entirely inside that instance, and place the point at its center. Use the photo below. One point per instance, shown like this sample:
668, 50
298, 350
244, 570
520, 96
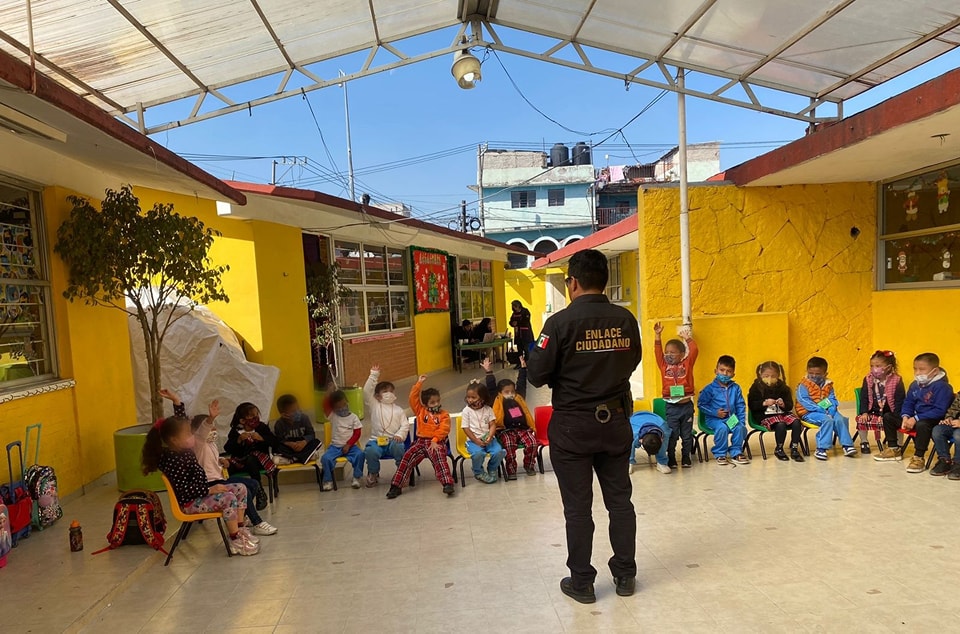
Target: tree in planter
324, 294
140, 262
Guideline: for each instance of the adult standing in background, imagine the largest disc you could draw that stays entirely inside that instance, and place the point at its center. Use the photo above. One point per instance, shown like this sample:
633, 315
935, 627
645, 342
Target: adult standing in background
522, 329
586, 354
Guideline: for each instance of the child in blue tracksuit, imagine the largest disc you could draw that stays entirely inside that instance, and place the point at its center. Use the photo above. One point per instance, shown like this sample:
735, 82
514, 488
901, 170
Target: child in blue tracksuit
725, 413
928, 399
818, 407
650, 433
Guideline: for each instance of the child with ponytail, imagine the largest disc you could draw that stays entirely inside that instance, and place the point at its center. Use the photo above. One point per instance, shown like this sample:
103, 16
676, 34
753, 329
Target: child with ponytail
771, 403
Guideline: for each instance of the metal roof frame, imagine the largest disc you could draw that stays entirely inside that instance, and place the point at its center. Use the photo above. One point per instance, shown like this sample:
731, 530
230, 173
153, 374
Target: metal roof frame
485, 23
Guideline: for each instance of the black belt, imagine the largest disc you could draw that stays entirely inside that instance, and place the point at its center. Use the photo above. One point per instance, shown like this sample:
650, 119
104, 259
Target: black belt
605, 411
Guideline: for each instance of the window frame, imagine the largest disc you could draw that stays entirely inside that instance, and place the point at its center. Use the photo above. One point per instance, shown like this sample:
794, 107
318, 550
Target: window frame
528, 201
45, 285
360, 292
883, 238
616, 272
552, 199
486, 286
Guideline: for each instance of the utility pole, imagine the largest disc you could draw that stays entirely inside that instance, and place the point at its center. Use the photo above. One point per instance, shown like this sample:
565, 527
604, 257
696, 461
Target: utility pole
463, 216
273, 177
483, 222
346, 109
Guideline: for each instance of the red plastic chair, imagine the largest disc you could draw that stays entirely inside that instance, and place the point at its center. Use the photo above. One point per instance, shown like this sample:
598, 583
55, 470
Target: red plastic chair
541, 419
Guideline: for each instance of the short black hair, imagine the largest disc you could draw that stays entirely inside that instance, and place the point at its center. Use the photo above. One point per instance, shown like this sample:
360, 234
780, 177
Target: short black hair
727, 361
428, 394
285, 402
383, 385
589, 268
929, 357
817, 362
338, 397
505, 383
651, 443
677, 343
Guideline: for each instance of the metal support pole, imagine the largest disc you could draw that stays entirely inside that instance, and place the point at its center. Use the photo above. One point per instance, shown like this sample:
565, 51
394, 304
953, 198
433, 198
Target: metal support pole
684, 204
463, 216
346, 110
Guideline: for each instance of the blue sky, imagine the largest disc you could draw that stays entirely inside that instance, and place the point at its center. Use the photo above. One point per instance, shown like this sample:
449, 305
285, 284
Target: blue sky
419, 109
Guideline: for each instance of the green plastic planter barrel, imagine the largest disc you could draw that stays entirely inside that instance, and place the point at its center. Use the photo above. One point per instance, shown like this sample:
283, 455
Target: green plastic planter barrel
354, 397
127, 448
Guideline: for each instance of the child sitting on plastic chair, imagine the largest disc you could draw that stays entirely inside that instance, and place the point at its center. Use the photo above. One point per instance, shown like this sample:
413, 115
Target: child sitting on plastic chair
389, 425
296, 439
650, 433
515, 423
345, 433
818, 407
480, 426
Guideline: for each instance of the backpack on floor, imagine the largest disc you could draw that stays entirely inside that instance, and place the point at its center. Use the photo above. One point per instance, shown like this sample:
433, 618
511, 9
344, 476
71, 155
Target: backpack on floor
6, 538
41, 483
137, 519
17, 499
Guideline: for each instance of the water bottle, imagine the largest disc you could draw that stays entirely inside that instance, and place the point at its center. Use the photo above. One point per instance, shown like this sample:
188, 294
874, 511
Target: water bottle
76, 537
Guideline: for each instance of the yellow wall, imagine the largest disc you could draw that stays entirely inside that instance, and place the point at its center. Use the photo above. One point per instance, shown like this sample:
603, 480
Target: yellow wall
767, 249
434, 351
912, 322
500, 310
530, 287
628, 279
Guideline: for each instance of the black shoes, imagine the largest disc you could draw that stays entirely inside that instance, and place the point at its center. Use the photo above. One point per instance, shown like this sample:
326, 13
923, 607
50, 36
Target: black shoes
943, 468
685, 462
625, 586
780, 453
394, 492
795, 453
865, 448
581, 595
511, 476
261, 499
448, 489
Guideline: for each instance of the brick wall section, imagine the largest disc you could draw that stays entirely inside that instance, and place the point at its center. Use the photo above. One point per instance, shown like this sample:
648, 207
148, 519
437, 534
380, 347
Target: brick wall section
397, 358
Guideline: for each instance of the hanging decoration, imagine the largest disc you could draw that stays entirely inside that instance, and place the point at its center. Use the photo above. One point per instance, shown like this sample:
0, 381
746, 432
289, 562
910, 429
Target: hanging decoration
943, 192
946, 256
902, 262
430, 279
910, 207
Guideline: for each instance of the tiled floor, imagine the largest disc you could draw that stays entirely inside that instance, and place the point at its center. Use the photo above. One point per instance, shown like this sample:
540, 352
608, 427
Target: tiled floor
844, 546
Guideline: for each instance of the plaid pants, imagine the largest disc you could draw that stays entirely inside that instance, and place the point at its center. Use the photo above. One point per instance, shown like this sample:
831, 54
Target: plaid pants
419, 450
513, 438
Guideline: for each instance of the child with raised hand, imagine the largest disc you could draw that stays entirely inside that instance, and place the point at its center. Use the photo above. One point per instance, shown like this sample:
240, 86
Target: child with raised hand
433, 427
771, 404
817, 405
297, 441
926, 404
881, 401
249, 443
943, 434
515, 423
479, 425
389, 425
725, 413
344, 436
169, 448
675, 361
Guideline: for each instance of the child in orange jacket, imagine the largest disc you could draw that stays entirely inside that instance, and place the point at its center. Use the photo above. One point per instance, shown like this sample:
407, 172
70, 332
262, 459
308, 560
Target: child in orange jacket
433, 427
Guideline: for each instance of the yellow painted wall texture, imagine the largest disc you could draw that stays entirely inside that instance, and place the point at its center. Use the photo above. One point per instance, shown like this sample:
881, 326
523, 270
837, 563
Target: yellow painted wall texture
530, 287
768, 249
912, 322
434, 351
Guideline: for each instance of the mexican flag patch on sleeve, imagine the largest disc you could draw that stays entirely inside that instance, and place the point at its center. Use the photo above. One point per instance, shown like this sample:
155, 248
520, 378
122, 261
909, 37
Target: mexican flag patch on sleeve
543, 341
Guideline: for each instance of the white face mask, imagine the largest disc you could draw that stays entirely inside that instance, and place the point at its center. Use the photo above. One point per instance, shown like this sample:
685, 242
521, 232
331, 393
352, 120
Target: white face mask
388, 398
509, 396
213, 436
922, 379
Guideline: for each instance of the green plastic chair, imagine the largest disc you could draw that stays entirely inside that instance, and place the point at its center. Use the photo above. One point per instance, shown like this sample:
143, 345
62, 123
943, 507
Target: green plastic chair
706, 432
755, 428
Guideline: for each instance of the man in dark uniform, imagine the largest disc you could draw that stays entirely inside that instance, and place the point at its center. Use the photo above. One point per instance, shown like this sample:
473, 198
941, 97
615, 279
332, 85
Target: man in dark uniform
586, 354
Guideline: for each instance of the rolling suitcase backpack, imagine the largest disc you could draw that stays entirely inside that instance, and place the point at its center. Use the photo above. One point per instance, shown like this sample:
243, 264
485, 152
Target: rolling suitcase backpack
15, 496
41, 483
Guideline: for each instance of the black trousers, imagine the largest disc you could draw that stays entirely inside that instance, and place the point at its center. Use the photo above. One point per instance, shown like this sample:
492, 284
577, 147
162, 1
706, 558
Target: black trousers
579, 447
891, 424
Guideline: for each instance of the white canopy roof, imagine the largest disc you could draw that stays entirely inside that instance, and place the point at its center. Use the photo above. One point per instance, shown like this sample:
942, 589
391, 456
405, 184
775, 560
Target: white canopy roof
129, 55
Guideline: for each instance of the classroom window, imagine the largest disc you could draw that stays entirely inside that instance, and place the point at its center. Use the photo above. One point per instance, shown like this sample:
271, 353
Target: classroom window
523, 199
555, 197
919, 244
27, 351
615, 283
377, 277
476, 289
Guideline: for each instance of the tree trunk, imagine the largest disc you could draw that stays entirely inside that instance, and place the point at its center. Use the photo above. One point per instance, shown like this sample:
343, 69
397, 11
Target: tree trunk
153, 376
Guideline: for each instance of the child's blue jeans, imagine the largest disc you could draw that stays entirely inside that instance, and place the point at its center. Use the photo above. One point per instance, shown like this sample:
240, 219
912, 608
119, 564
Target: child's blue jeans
830, 424
726, 440
374, 452
943, 435
478, 453
329, 460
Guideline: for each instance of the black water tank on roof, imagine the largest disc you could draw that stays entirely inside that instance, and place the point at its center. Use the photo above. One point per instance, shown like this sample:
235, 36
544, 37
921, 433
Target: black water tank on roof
559, 155
581, 154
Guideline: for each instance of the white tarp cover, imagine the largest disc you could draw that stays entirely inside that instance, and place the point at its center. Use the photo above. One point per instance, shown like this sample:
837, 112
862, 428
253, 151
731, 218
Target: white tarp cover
202, 360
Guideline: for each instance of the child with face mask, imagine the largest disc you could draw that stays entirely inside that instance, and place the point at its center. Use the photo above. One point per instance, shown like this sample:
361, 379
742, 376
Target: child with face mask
344, 436
515, 423
675, 361
818, 408
297, 441
249, 444
433, 427
928, 399
389, 425
770, 403
725, 413
881, 400
480, 426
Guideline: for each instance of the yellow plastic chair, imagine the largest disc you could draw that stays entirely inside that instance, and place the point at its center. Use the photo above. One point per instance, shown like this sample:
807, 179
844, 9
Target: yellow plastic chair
187, 520
313, 464
462, 455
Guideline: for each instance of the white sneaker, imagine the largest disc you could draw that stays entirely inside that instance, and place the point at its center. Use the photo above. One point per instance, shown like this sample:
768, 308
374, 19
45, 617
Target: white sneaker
247, 535
282, 461
264, 529
240, 546
328, 486
355, 484
633, 468
662, 468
